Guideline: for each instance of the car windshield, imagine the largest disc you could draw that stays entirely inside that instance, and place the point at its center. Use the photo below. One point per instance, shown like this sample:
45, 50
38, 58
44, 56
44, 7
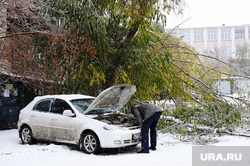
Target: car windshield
82, 104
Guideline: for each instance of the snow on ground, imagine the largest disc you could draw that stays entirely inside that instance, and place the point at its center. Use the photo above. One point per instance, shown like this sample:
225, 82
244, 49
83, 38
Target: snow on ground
169, 152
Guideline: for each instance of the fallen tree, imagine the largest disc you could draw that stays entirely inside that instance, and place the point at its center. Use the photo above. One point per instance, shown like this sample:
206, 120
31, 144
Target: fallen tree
203, 130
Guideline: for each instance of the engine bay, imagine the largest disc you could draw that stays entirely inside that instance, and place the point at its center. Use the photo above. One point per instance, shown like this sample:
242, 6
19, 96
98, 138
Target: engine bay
117, 119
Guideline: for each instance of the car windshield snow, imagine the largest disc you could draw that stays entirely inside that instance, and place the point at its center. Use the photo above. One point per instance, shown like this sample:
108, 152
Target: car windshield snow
82, 104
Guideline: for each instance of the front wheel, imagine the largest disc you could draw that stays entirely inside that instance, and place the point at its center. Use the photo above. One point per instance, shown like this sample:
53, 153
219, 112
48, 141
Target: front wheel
26, 135
90, 143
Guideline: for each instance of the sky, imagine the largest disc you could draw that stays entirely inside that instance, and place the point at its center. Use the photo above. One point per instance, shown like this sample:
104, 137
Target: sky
203, 13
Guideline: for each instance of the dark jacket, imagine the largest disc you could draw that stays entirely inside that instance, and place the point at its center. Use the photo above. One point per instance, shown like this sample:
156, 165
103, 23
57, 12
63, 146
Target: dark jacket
143, 112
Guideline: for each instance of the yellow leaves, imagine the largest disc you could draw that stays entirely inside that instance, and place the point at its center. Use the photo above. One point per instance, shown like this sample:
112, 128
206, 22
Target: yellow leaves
122, 77
156, 90
96, 77
147, 14
181, 12
89, 73
132, 21
129, 14
125, 77
74, 3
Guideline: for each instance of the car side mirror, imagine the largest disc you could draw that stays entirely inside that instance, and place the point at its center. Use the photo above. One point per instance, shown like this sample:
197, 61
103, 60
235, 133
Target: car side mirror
68, 113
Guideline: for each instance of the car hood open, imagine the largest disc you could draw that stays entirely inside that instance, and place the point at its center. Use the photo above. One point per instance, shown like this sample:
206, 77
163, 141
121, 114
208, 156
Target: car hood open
114, 97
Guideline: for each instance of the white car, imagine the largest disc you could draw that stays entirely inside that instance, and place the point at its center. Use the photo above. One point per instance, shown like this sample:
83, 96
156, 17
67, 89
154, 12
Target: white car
92, 123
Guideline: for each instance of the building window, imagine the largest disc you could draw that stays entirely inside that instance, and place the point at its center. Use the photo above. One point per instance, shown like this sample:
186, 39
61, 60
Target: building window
239, 34
227, 51
198, 36
185, 36
211, 35
226, 35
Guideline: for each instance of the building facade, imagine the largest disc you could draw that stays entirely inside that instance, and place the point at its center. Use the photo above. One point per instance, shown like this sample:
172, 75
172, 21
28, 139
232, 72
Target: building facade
225, 38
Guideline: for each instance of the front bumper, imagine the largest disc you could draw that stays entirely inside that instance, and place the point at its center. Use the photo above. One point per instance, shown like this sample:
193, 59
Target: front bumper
117, 139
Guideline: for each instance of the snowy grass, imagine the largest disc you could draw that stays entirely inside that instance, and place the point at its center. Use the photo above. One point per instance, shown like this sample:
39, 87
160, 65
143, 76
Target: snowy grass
170, 151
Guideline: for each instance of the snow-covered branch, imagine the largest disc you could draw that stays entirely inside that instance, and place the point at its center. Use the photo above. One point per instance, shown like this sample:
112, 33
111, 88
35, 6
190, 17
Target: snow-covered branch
200, 129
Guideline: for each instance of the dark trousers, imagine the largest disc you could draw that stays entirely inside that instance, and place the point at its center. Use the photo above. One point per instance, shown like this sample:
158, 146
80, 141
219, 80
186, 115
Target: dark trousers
151, 124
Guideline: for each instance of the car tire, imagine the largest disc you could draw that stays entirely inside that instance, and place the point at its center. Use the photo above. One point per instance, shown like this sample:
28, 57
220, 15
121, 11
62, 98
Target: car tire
26, 135
90, 143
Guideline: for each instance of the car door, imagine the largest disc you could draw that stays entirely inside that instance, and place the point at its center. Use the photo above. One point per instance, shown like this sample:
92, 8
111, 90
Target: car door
63, 128
40, 118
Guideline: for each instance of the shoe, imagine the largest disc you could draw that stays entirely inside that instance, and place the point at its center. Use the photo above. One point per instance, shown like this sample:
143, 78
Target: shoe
142, 151
152, 148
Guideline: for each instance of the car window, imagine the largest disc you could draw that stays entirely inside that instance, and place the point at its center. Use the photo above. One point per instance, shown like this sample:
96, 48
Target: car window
59, 106
43, 105
82, 104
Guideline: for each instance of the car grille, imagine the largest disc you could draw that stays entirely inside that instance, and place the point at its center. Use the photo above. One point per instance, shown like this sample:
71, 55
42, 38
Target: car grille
126, 141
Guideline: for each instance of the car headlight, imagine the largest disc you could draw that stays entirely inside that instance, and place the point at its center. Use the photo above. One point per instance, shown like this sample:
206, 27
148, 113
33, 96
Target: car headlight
109, 127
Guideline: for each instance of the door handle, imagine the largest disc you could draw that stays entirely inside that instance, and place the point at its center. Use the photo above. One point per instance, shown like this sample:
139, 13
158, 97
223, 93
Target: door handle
54, 119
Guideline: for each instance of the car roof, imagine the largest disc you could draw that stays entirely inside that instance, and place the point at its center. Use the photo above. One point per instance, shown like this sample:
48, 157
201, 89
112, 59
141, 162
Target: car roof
66, 97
